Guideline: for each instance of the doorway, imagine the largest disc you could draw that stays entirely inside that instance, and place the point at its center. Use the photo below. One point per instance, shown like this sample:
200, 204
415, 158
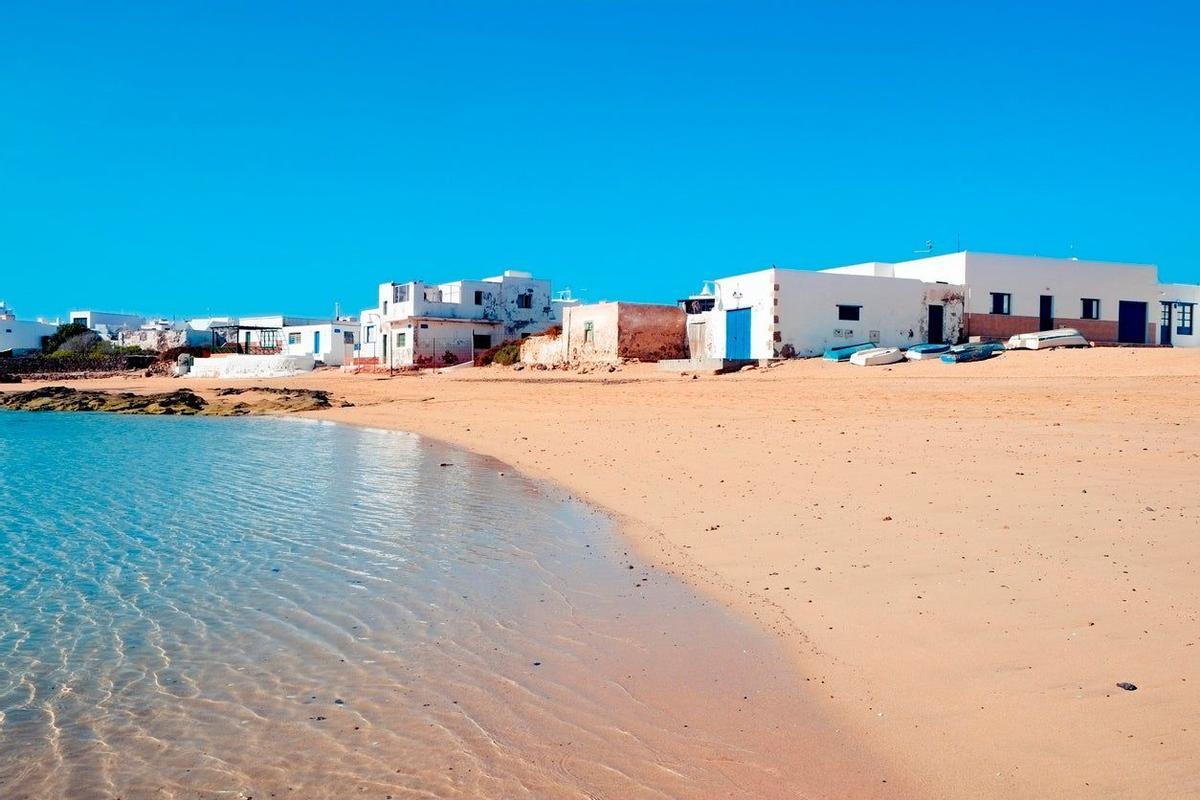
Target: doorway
1164, 327
1131, 322
316, 343
1046, 313
937, 331
737, 334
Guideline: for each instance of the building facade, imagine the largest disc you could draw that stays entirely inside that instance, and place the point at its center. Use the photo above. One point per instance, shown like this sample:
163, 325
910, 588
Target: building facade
19, 337
419, 324
106, 323
1107, 302
781, 313
608, 333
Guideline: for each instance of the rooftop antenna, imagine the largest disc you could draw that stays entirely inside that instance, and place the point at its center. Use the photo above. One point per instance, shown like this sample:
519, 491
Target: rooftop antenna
928, 247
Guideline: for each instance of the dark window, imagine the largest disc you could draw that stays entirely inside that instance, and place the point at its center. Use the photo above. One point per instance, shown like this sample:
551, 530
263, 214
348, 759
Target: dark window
424, 324
849, 312
589, 334
482, 341
1185, 318
1091, 308
400, 339
293, 338
1001, 303
525, 300
400, 294
479, 300
80, 321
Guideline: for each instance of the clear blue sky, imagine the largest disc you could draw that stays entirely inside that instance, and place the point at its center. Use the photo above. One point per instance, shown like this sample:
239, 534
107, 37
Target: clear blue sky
233, 157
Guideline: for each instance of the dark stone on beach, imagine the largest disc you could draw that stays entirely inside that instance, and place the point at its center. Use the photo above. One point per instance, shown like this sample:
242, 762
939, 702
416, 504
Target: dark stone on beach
339, 702
1129, 687
445, 464
537, 663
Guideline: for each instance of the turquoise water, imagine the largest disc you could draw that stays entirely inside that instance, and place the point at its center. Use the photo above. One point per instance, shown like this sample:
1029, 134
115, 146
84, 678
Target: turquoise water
264, 607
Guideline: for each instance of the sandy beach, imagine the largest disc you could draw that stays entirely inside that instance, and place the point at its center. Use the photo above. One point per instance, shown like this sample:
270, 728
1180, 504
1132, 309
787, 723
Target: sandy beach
963, 561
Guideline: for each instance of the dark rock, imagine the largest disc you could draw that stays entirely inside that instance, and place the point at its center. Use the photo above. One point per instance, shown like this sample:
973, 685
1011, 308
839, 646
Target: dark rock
1129, 687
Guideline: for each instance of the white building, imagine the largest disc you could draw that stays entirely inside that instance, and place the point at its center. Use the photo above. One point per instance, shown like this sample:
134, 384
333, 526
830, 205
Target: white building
330, 342
21, 336
1107, 302
781, 312
423, 324
107, 324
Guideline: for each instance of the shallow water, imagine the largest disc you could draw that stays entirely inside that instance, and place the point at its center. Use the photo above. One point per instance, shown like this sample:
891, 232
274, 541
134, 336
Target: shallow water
235, 608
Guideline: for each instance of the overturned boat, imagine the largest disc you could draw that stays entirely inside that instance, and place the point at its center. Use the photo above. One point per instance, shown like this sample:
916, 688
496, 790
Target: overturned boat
1044, 340
876, 356
920, 352
961, 353
843, 352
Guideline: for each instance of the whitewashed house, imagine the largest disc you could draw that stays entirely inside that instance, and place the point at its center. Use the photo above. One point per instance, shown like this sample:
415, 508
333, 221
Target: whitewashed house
780, 313
106, 323
327, 341
418, 324
1107, 302
19, 337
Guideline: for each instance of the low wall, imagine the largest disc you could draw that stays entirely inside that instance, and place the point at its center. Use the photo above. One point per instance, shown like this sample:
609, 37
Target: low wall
73, 364
240, 366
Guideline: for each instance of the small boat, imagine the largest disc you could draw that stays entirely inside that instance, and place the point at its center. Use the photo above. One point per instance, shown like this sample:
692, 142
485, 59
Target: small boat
1044, 340
843, 352
922, 351
876, 356
971, 352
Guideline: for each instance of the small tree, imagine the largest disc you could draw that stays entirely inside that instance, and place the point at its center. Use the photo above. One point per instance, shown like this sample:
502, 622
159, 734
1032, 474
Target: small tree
66, 331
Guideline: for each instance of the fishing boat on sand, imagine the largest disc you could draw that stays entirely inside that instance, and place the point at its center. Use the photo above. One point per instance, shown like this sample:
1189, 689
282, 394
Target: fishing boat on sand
919, 352
843, 352
876, 356
961, 353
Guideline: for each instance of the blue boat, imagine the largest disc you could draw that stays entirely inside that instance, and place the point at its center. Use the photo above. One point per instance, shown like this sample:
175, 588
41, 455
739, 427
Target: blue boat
922, 351
844, 352
961, 353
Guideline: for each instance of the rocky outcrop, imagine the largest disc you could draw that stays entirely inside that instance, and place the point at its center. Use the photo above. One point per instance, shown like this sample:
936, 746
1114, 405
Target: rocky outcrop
230, 402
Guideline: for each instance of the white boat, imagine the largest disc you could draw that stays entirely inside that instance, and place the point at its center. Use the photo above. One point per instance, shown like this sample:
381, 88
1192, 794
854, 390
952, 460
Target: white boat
876, 356
1044, 340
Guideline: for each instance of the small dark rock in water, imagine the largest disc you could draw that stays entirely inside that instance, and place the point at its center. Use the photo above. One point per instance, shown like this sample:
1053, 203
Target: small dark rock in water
1129, 687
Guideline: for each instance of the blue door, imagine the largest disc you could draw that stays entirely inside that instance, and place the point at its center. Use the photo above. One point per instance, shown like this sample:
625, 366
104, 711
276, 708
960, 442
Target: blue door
737, 334
1131, 322
316, 343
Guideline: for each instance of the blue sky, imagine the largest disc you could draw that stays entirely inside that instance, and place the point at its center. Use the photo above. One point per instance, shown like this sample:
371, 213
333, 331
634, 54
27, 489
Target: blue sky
229, 157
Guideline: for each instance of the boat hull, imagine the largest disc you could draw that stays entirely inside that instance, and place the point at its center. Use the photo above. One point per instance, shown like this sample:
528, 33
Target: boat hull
876, 357
844, 352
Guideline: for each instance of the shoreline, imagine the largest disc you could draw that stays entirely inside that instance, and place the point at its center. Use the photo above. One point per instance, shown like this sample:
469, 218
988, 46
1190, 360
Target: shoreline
970, 604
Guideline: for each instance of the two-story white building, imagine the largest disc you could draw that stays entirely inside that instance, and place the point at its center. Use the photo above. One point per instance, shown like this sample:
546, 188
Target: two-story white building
420, 324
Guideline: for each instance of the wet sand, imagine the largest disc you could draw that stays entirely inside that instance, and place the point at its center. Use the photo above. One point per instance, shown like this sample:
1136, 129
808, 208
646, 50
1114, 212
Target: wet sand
970, 557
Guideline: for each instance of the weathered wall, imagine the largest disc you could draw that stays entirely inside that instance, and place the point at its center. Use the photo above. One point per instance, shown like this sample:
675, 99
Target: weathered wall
651, 332
161, 341
601, 345
544, 349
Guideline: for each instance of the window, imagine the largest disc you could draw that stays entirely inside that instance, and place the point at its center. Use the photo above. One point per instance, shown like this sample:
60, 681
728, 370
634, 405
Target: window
479, 300
369, 334
401, 337
1001, 303
348, 337
589, 333
268, 339
1185, 318
293, 338
399, 294
1091, 308
525, 300
849, 312
385, 308
424, 324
